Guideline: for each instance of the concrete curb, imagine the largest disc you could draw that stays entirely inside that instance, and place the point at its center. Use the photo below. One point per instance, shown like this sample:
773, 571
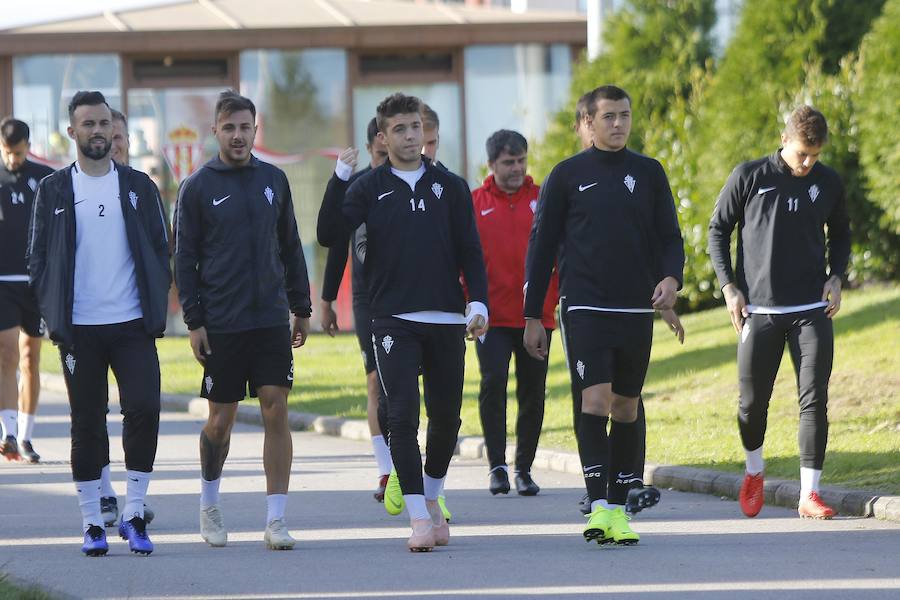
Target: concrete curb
778, 492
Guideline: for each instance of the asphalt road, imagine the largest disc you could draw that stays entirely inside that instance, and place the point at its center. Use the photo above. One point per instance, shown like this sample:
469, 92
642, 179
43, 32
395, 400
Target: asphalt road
692, 546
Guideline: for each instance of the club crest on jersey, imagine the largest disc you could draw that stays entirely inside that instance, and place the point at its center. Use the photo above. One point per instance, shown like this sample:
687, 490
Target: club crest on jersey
270, 195
387, 342
209, 383
579, 366
629, 183
813, 192
438, 189
70, 363
134, 198
32, 183
533, 205
290, 376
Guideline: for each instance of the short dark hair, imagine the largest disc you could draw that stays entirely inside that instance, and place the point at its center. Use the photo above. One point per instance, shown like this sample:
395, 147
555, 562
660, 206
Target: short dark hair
119, 116
230, 102
605, 92
430, 118
372, 130
14, 131
84, 98
807, 125
397, 103
581, 108
507, 140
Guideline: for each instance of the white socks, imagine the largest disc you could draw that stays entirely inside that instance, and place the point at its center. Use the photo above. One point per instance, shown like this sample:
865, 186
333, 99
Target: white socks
89, 502
755, 464
809, 481
9, 422
209, 492
26, 426
275, 504
106, 488
415, 506
600, 503
137, 492
382, 455
433, 487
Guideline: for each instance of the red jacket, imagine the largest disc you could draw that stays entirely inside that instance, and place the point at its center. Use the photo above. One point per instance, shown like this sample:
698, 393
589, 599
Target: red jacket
504, 224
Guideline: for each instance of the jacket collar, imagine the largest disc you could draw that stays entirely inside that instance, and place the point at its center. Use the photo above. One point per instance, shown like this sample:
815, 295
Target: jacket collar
217, 164
528, 188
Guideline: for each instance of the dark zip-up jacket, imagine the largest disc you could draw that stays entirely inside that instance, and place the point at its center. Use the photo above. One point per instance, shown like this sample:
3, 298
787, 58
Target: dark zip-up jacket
338, 251
417, 243
16, 197
239, 262
51, 249
781, 242
611, 217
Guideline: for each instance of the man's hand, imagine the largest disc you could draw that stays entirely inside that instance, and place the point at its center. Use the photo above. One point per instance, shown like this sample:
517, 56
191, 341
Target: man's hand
200, 344
831, 293
349, 156
476, 328
664, 295
736, 305
535, 339
299, 331
328, 318
674, 323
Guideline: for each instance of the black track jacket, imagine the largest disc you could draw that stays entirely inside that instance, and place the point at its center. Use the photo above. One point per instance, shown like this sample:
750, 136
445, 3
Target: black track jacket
239, 263
781, 240
611, 217
51, 249
16, 196
417, 242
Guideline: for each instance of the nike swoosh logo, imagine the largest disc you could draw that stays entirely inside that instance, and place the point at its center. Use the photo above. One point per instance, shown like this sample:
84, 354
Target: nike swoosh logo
380, 196
581, 188
487, 211
764, 190
624, 475
79, 202
591, 468
220, 200
58, 210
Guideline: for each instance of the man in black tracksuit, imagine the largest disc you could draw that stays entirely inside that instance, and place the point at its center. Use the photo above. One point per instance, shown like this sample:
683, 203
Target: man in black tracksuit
19, 178
98, 262
240, 270
420, 236
376, 408
782, 292
609, 214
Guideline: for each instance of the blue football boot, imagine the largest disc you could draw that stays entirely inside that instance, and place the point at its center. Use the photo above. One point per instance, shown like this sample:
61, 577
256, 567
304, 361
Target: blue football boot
95, 542
135, 531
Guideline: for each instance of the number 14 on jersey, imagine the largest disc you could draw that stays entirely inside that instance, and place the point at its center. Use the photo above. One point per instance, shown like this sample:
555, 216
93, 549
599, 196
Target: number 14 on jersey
414, 206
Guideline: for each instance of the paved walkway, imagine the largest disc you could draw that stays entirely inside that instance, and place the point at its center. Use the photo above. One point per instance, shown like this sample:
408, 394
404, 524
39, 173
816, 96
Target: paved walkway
692, 545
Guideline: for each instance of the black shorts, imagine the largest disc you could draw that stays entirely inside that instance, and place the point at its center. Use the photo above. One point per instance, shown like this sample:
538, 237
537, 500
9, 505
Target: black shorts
251, 358
19, 308
608, 347
362, 321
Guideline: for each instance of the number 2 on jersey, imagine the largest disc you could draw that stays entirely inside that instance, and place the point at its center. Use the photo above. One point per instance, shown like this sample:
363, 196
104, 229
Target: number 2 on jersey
421, 205
102, 208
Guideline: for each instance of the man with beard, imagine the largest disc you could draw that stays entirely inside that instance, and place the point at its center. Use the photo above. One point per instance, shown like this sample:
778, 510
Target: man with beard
98, 261
21, 327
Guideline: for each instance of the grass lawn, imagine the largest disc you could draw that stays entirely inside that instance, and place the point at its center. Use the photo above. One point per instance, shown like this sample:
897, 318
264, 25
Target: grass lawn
9, 591
690, 394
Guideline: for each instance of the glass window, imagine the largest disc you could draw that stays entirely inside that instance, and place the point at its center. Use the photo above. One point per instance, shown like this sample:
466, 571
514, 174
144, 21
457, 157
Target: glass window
43, 85
511, 87
301, 100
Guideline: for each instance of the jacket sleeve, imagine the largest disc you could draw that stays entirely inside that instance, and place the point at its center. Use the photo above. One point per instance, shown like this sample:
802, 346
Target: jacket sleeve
543, 243
839, 235
330, 230
468, 246
159, 228
727, 214
335, 265
671, 244
36, 251
296, 278
189, 236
